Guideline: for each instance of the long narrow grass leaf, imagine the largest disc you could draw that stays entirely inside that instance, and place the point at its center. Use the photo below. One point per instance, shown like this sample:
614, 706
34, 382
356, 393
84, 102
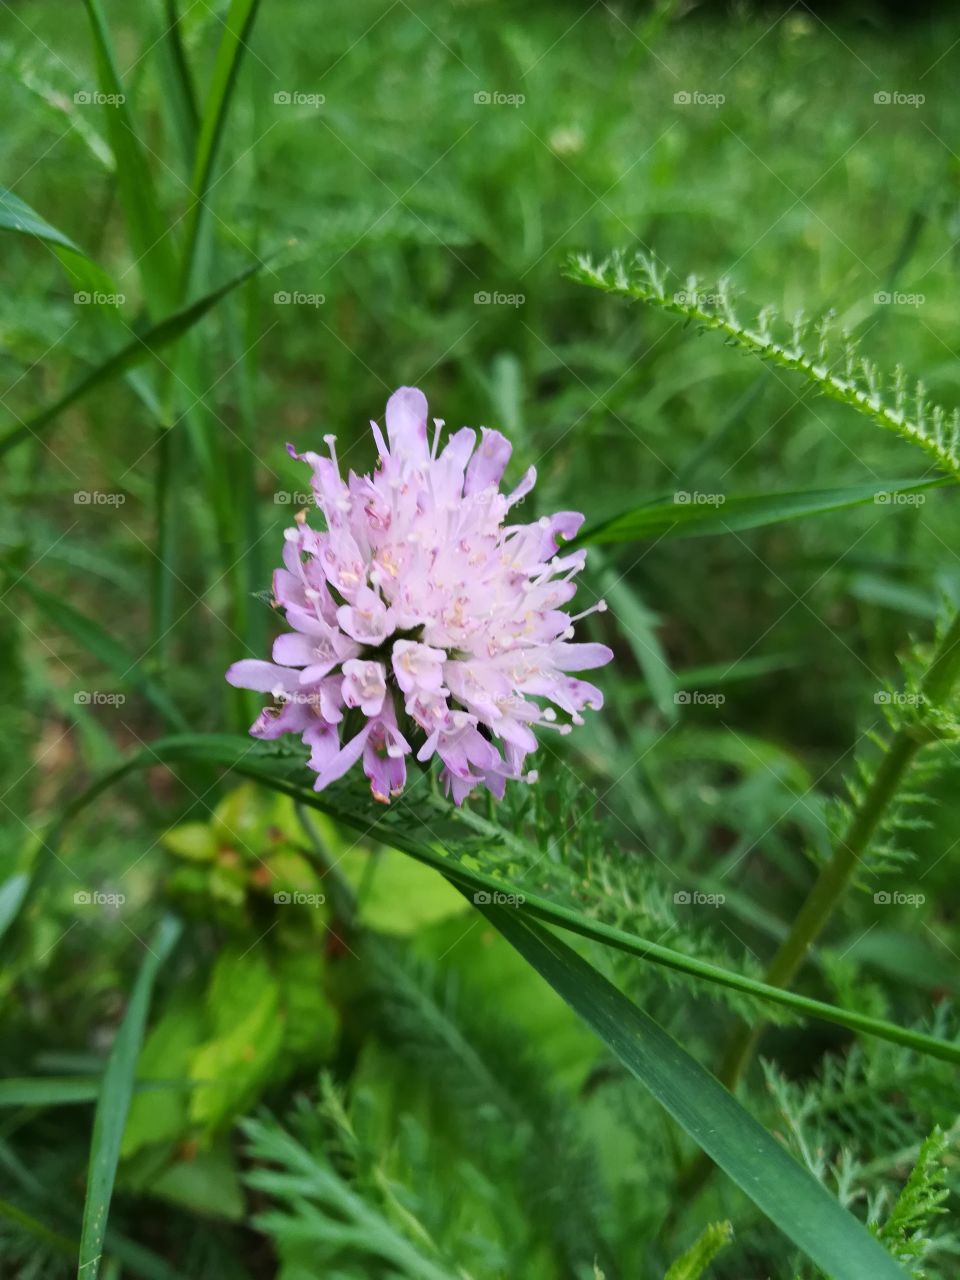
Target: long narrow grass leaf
140, 348
114, 1102
790, 1197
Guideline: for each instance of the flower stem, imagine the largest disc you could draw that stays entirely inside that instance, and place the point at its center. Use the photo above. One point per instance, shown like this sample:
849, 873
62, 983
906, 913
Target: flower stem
836, 874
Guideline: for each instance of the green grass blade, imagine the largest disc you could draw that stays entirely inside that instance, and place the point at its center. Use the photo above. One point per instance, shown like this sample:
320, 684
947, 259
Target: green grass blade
17, 216
249, 761
136, 351
12, 893
27, 1222
779, 1186
178, 81
145, 222
114, 1102
236, 30
105, 648
693, 514
48, 1091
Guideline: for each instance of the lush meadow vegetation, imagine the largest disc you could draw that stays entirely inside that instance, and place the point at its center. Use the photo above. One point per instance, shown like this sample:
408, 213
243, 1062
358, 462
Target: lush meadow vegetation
678, 257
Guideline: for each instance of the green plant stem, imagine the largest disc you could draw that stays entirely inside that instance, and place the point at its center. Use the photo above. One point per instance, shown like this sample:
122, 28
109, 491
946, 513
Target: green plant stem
835, 876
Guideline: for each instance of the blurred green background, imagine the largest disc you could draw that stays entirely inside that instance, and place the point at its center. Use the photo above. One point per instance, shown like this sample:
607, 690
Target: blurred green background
409, 180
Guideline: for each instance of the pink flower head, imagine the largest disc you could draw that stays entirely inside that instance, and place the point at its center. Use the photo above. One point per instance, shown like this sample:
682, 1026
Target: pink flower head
421, 612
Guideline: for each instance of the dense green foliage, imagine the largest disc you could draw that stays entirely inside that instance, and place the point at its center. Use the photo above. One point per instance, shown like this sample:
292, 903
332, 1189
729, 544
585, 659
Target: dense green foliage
251, 1031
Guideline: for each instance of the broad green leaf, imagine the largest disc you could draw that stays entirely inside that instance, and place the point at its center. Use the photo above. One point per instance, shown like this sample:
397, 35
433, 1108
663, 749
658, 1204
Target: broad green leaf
252, 761
243, 1006
206, 1183
104, 647
792, 1199
694, 513
114, 1102
397, 895
141, 347
165, 1056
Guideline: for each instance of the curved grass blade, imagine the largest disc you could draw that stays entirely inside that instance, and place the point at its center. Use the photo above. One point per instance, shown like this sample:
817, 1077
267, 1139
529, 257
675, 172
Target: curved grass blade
34, 1227
136, 351
236, 31
692, 515
789, 1196
61, 1091
105, 648
17, 216
12, 893
48, 1091
178, 80
114, 1102
246, 759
